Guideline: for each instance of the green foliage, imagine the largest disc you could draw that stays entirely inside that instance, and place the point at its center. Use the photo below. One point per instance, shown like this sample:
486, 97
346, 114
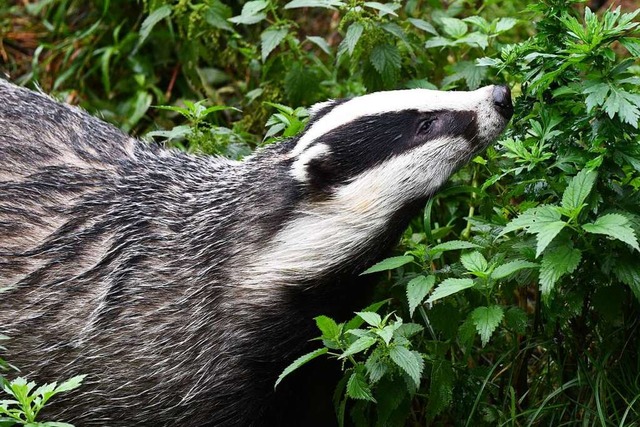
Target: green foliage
514, 299
26, 401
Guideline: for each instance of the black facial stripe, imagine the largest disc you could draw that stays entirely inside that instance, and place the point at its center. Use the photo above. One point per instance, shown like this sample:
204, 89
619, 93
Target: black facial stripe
370, 140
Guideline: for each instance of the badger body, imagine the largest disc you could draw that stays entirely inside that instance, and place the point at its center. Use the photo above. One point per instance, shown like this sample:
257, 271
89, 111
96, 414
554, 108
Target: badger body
182, 285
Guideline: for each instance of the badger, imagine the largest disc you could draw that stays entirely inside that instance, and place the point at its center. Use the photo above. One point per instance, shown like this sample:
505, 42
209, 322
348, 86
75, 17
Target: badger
182, 284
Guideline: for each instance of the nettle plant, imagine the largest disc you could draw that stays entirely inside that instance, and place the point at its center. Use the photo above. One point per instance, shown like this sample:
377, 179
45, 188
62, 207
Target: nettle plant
524, 311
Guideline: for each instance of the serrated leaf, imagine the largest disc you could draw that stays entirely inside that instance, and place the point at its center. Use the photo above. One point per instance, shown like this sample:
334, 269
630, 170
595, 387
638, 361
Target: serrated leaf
596, 95
423, 25
251, 13
297, 82
386, 59
454, 27
389, 264
328, 327
407, 330
450, 287
468, 71
372, 318
150, 21
270, 39
578, 189
452, 245
627, 270
475, 40
632, 44
441, 387
354, 32
358, 346
417, 290
624, 104
556, 263
438, 41
616, 226
299, 362
505, 24
384, 9
321, 43
358, 388
474, 262
409, 361
357, 321
486, 320
516, 319
217, 15
376, 368
511, 267
544, 221
479, 22
326, 4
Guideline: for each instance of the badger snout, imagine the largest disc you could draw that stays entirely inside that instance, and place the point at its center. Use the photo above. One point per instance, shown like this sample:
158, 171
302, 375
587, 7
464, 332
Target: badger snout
502, 101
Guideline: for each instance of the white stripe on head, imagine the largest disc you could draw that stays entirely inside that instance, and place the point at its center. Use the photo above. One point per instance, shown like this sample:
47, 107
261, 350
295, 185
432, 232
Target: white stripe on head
390, 101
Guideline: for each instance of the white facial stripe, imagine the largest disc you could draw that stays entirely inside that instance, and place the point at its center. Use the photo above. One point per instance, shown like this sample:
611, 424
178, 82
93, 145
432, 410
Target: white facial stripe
299, 167
390, 101
329, 233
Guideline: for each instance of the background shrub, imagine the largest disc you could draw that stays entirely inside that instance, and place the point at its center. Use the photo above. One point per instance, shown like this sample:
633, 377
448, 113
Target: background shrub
513, 299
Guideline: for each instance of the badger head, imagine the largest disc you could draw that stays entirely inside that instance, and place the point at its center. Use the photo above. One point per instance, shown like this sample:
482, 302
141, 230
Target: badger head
363, 167
405, 142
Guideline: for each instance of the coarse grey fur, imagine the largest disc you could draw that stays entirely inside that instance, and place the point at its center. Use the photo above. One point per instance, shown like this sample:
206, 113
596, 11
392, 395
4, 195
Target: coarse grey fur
182, 285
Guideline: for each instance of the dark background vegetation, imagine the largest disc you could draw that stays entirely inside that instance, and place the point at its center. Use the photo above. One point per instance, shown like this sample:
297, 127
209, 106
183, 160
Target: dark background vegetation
513, 300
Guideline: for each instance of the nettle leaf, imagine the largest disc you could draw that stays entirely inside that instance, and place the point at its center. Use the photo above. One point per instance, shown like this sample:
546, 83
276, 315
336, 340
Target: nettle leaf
614, 225
474, 262
326, 4
299, 362
627, 270
441, 387
270, 39
321, 43
454, 27
358, 346
556, 263
150, 21
578, 189
450, 287
469, 71
505, 24
438, 41
358, 388
217, 16
486, 320
386, 59
328, 327
452, 245
479, 22
511, 267
354, 32
516, 319
371, 317
251, 13
389, 264
417, 289
409, 361
376, 367
544, 221
423, 25
384, 9
477, 40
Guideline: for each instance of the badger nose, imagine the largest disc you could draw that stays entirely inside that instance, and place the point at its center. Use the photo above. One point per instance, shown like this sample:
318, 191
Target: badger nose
502, 101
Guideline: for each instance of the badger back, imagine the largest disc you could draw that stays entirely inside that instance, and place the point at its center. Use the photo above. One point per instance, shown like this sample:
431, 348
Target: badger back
182, 285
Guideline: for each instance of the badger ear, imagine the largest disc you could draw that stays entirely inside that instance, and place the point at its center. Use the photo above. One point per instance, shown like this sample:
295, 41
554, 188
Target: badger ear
305, 165
319, 109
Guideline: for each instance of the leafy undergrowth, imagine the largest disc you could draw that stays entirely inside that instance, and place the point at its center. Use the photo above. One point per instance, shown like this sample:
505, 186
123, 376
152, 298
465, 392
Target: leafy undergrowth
513, 300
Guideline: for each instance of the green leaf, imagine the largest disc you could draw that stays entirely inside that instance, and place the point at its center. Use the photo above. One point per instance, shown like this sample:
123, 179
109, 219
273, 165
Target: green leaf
627, 270
299, 362
297, 82
372, 318
358, 388
361, 344
385, 9
321, 43
616, 226
544, 221
624, 104
474, 262
516, 319
486, 320
386, 59
150, 21
251, 13
441, 387
511, 267
596, 94
632, 44
217, 16
417, 289
389, 264
505, 24
329, 328
70, 384
452, 245
578, 189
326, 4
423, 25
270, 39
450, 287
350, 39
409, 361
556, 263
454, 27
357, 321
376, 367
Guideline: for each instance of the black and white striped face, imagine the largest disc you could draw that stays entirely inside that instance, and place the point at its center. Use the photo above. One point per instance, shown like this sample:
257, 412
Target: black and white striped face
405, 142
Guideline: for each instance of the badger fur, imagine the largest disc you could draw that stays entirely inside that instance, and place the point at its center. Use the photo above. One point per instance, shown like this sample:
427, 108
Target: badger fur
182, 285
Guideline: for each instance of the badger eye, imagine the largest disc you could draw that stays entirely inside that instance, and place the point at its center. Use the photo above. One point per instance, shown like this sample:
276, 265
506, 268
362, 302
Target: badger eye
425, 125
